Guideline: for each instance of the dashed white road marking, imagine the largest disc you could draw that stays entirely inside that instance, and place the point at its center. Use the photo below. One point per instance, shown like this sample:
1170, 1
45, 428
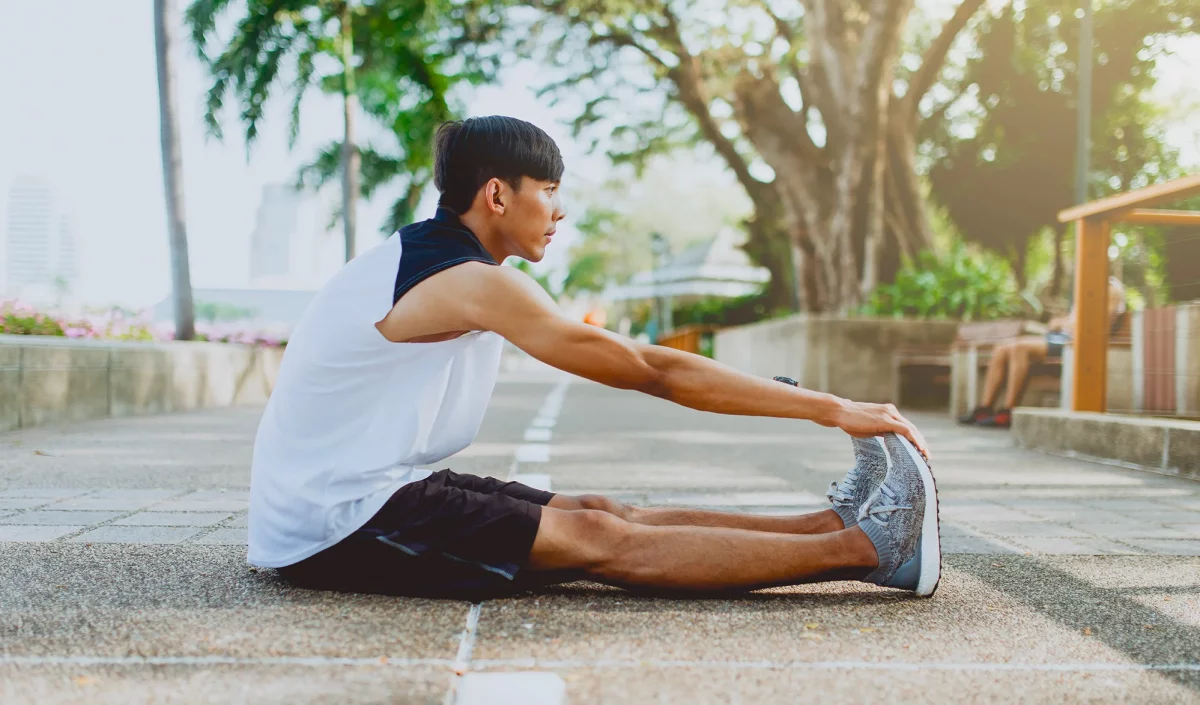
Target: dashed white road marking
528, 688
538, 434
533, 453
544, 422
538, 481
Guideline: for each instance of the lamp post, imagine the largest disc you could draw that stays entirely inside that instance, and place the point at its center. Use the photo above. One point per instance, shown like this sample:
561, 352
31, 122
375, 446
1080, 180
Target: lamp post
1083, 138
662, 305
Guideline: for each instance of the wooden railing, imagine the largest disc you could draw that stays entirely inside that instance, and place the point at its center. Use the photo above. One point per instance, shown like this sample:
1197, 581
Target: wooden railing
687, 338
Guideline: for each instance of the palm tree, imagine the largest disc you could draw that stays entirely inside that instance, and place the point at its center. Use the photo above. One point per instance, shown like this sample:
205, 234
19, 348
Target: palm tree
164, 16
388, 54
272, 37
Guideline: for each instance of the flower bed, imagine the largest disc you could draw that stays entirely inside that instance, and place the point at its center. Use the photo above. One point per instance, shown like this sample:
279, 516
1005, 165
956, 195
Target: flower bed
20, 318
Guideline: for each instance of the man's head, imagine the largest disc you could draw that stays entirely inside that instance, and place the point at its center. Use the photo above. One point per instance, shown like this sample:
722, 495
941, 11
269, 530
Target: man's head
501, 176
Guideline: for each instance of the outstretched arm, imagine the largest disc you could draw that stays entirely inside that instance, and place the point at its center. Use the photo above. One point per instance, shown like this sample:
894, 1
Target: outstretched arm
508, 302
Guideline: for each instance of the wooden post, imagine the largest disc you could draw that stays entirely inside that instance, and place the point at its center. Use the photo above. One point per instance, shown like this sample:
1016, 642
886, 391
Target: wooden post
1089, 387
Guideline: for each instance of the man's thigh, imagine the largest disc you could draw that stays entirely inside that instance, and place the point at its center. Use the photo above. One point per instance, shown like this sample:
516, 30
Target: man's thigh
491, 485
1034, 346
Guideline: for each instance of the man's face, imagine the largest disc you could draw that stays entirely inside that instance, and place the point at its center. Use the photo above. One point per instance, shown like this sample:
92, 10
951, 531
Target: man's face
531, 219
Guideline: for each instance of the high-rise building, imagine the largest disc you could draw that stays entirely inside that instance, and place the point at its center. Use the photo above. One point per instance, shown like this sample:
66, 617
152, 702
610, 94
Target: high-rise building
67, 265
28, 234
271, 243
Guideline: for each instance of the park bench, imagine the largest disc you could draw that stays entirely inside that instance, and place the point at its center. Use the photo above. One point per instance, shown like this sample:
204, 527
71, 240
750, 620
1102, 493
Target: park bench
951, 369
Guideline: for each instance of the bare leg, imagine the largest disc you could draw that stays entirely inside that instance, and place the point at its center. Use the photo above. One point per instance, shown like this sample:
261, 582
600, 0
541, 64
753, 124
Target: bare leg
995, 375
1024, 353
611, 550
816, 523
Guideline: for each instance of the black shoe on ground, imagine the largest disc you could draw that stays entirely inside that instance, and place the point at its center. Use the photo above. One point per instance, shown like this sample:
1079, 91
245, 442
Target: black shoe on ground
1001, 419
980, 413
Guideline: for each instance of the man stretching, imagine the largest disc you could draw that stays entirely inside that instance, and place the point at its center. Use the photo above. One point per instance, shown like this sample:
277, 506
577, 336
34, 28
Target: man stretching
392, 367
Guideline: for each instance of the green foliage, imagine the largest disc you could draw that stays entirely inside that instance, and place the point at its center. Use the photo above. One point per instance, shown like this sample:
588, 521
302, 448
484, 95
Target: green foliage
28, 322
405, 62
728, 312
1002, 150
958, 285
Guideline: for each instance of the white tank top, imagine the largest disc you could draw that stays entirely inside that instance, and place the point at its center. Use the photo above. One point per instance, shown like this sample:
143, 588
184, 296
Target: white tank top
352, 414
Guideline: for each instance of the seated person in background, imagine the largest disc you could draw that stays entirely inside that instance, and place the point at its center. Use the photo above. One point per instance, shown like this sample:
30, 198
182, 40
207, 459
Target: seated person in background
1017, 355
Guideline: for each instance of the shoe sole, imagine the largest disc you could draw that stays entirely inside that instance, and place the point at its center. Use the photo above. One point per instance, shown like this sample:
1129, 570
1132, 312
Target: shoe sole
931, 543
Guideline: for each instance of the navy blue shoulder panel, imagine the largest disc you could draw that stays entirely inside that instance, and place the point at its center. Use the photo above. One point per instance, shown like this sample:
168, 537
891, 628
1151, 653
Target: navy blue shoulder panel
433, 245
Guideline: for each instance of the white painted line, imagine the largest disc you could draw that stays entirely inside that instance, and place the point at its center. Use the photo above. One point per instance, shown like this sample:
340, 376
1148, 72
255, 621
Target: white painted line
219, 661
539, 481
462, 660
467, 643
534, 688
480, 664
544, 422
533, 453
484, 664
538, 434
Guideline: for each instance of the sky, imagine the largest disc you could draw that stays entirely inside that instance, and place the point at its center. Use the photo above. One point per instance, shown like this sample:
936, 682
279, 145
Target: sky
80, 113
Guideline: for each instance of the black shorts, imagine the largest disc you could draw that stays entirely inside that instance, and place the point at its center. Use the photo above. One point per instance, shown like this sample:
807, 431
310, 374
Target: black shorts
1055, 342
449, 535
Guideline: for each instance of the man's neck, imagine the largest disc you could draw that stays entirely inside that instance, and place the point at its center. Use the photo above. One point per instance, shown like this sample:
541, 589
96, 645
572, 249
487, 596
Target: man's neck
479, 224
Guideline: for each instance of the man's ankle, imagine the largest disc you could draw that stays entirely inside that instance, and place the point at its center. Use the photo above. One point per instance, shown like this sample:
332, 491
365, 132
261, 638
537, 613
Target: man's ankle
860, 550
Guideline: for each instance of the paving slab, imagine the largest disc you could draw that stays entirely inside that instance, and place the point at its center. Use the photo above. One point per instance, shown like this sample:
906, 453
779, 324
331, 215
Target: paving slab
114, 533
36, 533
173, 519
330, 684
56, 517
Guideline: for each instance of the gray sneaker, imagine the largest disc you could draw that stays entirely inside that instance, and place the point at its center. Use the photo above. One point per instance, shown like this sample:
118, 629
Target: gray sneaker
870, 466
901, 519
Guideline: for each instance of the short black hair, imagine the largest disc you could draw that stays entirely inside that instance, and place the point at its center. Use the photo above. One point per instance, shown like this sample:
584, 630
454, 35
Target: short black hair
466, 153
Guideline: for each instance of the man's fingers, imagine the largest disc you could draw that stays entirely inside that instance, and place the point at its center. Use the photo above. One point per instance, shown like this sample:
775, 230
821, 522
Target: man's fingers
909, 431
913, 433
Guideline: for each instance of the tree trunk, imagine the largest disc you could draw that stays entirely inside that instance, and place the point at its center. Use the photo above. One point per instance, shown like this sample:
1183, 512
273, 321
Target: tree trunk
351, 159
1056, 280
172, 162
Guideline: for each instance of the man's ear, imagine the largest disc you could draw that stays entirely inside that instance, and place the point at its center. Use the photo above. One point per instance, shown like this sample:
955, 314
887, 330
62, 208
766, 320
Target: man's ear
495, 195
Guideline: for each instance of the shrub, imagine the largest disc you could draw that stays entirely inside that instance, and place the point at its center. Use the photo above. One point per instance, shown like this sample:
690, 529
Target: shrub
959, 285
19, 318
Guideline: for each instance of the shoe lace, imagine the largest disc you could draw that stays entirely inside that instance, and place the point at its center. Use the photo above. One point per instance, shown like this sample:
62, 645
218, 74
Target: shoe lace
843, 494
881, 510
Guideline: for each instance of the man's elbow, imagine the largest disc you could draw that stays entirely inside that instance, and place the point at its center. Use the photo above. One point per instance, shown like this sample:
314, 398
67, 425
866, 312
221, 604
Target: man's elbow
655, 385
649, 379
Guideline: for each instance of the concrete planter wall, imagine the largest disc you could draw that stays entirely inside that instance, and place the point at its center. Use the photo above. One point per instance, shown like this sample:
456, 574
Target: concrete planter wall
49, 380
849, 357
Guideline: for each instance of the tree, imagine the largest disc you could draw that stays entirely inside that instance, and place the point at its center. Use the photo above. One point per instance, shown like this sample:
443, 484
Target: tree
269, 35
181, 282
1009, 175
411, 58
819, 96
391, 59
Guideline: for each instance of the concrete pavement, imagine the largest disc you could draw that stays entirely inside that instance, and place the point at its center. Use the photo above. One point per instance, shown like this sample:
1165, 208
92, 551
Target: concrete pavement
124, 578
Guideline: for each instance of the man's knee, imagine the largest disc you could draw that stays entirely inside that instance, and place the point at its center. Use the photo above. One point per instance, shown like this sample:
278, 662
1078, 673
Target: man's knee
584, 539
605, 504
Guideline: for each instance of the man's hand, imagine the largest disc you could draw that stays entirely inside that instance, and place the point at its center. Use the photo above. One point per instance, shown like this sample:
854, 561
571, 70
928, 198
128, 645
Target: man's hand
1062, 324
865, 420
